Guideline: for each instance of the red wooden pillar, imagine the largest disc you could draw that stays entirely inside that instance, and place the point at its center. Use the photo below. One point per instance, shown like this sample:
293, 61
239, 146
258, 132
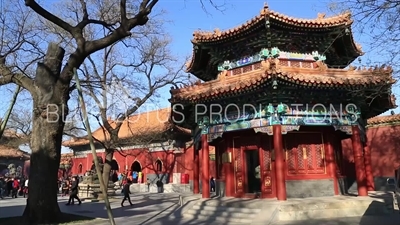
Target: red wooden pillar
279, 163
196, 176
205, 193
368, 169
229, 171
330, 161
359, 162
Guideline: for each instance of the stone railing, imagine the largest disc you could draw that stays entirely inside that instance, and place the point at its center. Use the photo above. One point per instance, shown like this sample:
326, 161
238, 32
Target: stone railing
94, 190
167, 188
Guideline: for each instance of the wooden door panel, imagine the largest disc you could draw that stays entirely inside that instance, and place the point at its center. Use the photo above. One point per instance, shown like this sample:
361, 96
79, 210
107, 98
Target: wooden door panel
238, 164
304, 154
266, 166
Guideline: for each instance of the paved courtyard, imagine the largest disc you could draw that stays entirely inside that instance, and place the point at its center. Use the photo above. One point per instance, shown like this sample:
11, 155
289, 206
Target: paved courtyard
155, 209
148, 209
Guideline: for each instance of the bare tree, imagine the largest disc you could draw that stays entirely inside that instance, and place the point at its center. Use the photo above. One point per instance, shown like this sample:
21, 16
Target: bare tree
20, 122
378, 23
126, 75
4, 120
50, 86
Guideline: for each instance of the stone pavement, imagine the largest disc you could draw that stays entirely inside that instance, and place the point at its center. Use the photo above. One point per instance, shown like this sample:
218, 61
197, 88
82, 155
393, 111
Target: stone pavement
156, 209
364, 220
150, 208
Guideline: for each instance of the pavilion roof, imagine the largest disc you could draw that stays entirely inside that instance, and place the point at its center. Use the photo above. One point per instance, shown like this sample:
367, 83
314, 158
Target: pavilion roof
306, 77
331, 36
321, 22
142, 124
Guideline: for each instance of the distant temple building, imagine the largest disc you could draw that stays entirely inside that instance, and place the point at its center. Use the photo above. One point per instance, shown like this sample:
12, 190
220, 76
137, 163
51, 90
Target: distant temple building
276, 115
12, 156
150, 144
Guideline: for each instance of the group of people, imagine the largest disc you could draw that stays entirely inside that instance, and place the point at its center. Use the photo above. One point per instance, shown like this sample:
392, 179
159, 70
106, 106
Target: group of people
134, 177
13, 187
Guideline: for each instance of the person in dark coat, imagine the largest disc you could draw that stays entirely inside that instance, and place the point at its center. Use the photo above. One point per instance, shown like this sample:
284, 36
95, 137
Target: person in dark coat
212, 184
126, 192
74, 191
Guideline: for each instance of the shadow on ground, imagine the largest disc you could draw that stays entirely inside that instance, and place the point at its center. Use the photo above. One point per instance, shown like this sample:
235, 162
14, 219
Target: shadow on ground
370, 217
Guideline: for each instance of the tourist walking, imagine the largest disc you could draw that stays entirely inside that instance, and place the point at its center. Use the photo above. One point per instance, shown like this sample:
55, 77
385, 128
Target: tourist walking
25, 191
126, 192
15, 187
65, 186
74, 192
2, 187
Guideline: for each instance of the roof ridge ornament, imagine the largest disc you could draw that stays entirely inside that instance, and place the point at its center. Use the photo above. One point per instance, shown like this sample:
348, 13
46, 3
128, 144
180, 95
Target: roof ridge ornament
321, 16
265, 10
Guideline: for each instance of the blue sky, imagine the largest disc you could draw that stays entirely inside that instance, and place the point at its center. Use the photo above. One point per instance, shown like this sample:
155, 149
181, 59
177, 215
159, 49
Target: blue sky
187, 16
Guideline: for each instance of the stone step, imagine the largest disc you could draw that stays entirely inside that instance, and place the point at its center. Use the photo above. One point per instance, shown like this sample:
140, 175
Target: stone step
335, 204
222, 213
324, 214
234, 203
220, 219
334, 209
211, 208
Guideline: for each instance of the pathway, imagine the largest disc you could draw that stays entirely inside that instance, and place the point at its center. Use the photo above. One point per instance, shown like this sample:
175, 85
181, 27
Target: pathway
155, 209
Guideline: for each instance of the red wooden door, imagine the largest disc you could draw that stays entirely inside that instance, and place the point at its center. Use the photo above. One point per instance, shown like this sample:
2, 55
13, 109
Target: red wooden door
267, 168
238, 167
245, 143
247, 147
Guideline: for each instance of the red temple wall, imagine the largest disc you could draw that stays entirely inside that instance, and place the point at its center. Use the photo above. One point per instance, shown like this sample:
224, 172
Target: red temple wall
171, 162
185, 163
384, 143
79, 161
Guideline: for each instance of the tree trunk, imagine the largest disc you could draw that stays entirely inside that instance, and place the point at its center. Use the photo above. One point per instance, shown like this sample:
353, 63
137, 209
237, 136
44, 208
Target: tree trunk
49, 111
107, 166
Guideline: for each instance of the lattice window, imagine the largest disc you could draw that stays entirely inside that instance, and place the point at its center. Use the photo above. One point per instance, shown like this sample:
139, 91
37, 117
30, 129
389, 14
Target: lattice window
283, 63
295, 64
304, 156
306, 64
310, 157
301, 166
319, 159
247, 68
291, 161
267, 160
237, 71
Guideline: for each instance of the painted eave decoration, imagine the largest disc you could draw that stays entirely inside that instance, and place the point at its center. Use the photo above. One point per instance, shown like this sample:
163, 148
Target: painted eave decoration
306, 77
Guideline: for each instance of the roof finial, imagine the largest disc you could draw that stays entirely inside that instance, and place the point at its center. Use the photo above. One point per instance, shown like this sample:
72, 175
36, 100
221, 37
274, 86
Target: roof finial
266, 5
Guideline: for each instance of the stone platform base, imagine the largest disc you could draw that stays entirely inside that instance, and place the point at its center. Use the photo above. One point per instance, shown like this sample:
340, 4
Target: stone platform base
168, 188
94, 191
